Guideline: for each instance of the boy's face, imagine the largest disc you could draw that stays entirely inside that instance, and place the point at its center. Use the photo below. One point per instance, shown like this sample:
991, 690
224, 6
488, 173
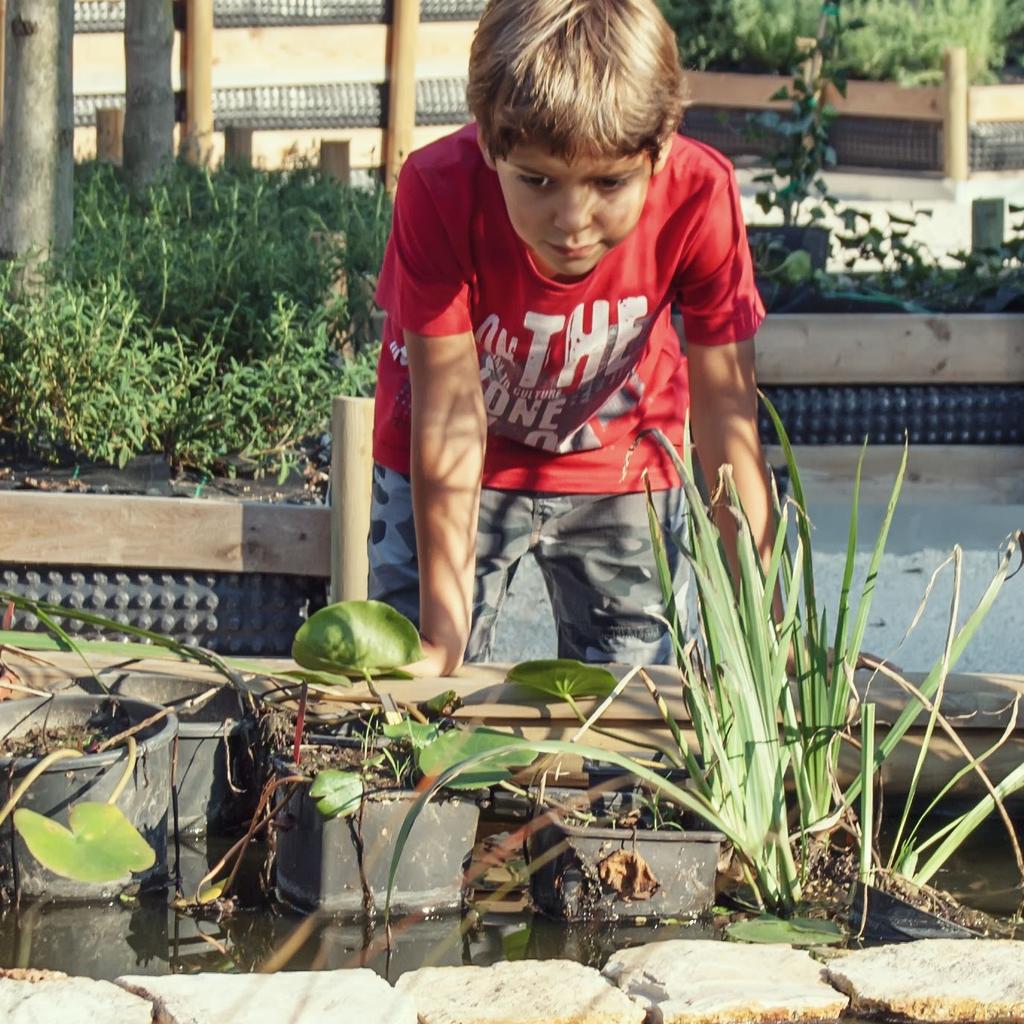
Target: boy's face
570, 213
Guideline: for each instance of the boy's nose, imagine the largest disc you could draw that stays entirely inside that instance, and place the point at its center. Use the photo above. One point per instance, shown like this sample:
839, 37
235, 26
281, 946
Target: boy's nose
573, 212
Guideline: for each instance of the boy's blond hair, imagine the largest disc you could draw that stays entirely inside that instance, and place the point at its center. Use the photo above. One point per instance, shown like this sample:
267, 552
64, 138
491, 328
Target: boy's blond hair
579, 77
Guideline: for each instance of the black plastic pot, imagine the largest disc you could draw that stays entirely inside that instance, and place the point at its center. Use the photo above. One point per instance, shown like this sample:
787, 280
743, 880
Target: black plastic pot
565, 864
813, 238
145, 800
341, 865
877, 916
215, 774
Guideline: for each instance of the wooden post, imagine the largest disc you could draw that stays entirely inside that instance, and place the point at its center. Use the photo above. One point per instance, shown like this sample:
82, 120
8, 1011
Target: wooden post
401, 88
237, 146
336, 160
110, 135
988, 223
351, 482
955, 131
3, 40
197, 77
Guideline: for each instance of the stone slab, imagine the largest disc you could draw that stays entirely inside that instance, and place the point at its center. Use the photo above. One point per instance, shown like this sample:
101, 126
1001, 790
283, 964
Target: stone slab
39, 997
935, 980
518, 992
698, 981
294, 997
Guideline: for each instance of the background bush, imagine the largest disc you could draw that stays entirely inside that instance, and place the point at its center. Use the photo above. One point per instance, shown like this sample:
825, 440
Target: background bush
901, 40
201, 319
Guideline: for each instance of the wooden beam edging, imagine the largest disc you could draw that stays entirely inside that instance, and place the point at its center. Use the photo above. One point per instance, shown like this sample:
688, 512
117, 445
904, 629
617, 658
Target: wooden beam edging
975, 474
987, 103
164, 533
882, 348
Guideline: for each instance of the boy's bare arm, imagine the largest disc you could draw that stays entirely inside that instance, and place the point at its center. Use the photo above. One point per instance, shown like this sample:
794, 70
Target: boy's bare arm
449, 431
723, 418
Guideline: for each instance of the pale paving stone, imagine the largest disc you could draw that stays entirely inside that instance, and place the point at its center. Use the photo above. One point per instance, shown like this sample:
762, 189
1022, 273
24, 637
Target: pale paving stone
700, 981
517, 992
936, 979
293, 997
37, 999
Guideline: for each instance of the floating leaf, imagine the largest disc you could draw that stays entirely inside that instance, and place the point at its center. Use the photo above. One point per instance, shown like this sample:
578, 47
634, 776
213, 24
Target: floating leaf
318, 680
797, 931
337, 793
459, 744
417, 733
100, 846
564, 678
353, 636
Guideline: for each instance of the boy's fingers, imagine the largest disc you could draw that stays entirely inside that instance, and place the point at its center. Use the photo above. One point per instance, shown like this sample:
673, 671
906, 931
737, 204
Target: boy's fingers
435, 662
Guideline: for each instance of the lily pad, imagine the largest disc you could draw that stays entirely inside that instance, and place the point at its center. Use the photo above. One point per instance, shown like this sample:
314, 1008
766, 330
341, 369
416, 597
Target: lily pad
351, 637
318, 680
457, 745
563, 678
337, 793
797, 931
100, 846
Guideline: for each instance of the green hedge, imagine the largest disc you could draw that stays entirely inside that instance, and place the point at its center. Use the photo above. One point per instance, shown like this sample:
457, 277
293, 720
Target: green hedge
900, 40
200, 320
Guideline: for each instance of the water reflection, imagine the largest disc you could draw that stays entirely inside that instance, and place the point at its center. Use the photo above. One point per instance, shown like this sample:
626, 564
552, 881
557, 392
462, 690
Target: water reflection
149, 937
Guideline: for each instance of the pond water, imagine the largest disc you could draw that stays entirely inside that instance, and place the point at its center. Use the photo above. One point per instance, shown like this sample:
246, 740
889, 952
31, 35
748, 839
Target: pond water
148, 937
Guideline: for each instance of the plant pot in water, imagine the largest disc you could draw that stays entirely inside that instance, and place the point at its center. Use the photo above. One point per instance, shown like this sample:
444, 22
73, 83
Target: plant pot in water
579, 873
341, 865
877, 916
215, 775
144, 801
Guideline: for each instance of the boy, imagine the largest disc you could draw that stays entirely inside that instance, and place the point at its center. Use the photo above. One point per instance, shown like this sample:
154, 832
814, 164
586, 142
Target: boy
533, 259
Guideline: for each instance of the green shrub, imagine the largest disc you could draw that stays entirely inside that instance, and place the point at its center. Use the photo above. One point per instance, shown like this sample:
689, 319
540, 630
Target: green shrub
901, 40
202, 319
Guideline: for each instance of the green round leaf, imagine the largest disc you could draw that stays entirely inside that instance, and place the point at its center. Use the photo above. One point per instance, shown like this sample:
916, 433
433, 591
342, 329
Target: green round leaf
417, 733
562, 678
797, 931
459, 744
318, 680
100, 846
353, 636
337, 793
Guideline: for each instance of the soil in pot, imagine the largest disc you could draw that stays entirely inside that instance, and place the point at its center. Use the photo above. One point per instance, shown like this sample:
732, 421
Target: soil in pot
582, 871
341, 865
145, 799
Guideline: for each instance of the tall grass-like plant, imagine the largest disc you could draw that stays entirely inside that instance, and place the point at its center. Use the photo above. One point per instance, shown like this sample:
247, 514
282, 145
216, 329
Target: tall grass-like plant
760, 736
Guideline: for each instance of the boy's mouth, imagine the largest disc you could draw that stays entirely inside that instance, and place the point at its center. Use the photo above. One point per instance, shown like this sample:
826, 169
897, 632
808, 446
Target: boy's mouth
579, 252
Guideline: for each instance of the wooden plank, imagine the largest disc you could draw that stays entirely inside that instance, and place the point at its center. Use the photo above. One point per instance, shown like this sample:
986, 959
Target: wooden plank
995, 103
351, 482
855, 348
730, 89
863, 99
164, 533
99, 62
954, 115
972, 475
288, 55
980, 706
887, 99
272, 149
398, 137
197, 66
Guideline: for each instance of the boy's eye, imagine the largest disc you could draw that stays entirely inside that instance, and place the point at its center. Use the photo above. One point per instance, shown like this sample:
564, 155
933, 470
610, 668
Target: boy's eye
611, 184
537, 181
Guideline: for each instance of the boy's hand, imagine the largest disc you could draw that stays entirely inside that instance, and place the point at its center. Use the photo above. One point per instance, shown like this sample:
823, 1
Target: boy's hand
436, 661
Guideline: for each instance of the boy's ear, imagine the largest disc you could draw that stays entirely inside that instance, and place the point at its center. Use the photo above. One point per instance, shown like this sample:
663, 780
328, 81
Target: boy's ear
663, 155
488, 159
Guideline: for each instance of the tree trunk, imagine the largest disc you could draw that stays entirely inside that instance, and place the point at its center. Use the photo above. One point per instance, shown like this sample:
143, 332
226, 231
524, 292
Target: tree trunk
37, 163
149, 110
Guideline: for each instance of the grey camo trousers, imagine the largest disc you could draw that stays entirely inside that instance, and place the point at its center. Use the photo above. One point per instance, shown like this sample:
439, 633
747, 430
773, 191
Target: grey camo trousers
594, 552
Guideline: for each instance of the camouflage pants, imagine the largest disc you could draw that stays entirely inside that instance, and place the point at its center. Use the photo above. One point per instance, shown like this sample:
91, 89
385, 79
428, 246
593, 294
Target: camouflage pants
594, 552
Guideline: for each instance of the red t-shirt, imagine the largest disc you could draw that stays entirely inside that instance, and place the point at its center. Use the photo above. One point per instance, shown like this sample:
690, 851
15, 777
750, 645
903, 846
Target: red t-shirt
572, 371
